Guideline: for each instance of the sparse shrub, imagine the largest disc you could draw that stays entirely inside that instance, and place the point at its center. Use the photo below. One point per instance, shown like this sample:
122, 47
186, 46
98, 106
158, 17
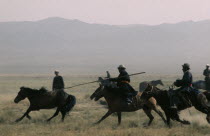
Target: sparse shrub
133, 125
2, 120
87, 96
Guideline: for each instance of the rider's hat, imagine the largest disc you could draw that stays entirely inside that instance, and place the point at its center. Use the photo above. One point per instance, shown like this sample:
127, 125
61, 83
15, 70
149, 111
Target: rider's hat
207, 65
56, 71
186, 65
121, 67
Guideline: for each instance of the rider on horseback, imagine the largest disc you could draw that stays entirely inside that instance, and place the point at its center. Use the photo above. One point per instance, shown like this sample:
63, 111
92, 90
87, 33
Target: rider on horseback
206, 73
58, 83
185, 85
123, 81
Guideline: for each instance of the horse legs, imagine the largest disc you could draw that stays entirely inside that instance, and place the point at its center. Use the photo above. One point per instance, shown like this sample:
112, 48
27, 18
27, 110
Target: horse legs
63, 115
168, 116
168, 120
104, 117
147, 111
185, 122
55, 114
204, 110
119, 117
25, 114
159, 113
201, 109
28, 116
175, 116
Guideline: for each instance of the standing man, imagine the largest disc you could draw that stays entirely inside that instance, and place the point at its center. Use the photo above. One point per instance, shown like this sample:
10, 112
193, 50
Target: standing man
206, 73
58, 83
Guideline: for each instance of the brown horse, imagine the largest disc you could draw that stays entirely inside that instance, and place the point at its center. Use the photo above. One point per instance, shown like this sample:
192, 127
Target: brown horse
199, 101
117, 104
43, 99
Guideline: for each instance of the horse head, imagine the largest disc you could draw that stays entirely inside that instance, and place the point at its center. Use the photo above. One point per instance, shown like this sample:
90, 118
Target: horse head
21, 95
99, 93
171, 88
161, 82
148, 92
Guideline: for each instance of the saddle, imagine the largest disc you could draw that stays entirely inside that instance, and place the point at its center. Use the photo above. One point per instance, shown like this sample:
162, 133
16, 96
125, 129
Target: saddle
179, 98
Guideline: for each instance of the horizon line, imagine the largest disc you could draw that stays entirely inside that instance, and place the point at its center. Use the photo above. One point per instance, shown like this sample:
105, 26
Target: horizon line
54, 17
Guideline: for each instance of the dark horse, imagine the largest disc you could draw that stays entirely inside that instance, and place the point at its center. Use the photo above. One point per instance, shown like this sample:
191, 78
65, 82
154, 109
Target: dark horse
143, 85
200, 84
117, 104
43, 99
199, 101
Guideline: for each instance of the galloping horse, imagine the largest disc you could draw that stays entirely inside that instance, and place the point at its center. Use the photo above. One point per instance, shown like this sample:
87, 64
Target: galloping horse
200, 102
143, 85
43, 99
117, 104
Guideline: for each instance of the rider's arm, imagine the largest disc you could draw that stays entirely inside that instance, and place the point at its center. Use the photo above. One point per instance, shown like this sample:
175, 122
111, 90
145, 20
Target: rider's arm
186, 78
62, 83
178, 83
113, 79
124, 76
204, 73
53, 84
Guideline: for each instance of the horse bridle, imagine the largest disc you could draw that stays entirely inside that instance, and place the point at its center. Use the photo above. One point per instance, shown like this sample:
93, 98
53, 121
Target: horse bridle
96, 93
21, 95
152, 89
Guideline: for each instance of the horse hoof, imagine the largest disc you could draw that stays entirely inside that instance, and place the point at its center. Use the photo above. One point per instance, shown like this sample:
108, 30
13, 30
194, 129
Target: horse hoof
208, 120
186, 122
17, 120
94, 124
145, 125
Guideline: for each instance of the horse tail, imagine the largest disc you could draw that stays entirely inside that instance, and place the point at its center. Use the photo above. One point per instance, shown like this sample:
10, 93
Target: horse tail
71, 101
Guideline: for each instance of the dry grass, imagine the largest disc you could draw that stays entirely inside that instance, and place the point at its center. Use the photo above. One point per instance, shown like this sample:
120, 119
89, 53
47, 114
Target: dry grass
86, 112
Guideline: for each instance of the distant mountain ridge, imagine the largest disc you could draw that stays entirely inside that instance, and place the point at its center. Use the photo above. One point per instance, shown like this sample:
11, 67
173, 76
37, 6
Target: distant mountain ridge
75, 46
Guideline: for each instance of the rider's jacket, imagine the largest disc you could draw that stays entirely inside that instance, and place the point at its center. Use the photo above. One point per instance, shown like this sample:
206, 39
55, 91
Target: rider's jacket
123, 81
186, 80
206, 73
58, 83
123, 77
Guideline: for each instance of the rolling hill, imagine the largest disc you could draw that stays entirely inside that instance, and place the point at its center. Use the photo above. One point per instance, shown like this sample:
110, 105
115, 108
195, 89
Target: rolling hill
73, 46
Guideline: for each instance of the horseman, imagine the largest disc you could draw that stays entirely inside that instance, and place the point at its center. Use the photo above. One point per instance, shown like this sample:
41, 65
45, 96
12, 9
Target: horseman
123, 81
185, 85
206, 73
58, 83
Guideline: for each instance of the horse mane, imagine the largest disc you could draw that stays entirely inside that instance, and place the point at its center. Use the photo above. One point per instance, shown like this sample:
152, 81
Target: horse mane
149, 86
113, 90
42, 90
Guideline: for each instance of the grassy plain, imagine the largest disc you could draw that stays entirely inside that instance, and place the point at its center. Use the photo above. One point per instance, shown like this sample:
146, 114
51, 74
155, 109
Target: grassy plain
86, 112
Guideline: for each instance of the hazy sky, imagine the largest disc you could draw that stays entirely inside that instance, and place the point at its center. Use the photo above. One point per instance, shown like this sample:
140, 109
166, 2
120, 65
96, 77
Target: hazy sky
107, 11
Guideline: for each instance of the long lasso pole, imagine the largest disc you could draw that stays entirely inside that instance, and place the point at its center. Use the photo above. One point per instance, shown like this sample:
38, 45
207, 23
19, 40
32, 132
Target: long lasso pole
99, 81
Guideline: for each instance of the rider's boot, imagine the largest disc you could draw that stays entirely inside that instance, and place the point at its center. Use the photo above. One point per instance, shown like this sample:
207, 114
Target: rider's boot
128, 100
173, 103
